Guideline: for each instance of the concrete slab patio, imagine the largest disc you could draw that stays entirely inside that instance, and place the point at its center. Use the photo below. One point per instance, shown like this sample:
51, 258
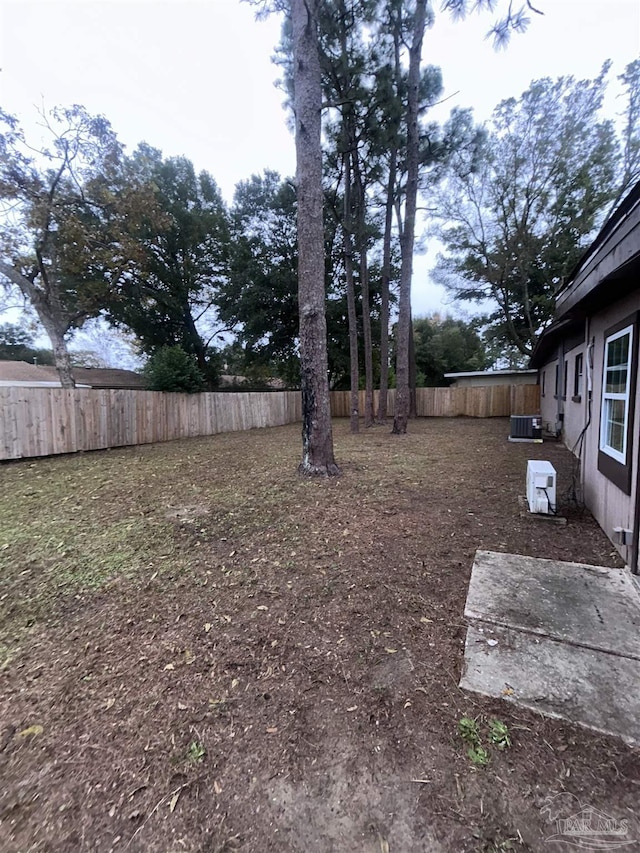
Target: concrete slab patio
561, 638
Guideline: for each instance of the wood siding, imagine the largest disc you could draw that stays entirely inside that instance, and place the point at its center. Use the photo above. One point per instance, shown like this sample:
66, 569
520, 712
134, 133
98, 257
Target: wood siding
48, 421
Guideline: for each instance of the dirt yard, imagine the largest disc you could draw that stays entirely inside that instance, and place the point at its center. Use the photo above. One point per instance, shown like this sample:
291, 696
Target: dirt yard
200, 652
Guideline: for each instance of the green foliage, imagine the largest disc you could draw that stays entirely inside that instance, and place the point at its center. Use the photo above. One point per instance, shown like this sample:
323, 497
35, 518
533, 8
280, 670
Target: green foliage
501, 353
445, 345
499, 734
260, 296
172, 369
168, 298
195, 752
630, 80
85, 358
16, 344
72, 205
469, 731
249, 373
521, 204
478, 756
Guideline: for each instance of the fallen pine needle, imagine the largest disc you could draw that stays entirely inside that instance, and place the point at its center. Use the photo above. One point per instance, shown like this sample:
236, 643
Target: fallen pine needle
384, 844
175, 793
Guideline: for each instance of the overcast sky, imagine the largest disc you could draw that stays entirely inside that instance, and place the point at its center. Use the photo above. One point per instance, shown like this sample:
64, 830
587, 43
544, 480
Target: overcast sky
196, 78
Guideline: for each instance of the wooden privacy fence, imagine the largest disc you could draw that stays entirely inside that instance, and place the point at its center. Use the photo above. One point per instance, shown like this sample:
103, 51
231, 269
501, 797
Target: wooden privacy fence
486, 401
46, 421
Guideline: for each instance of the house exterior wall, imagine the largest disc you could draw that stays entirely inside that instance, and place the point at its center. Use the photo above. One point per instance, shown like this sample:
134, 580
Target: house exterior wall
575, 406
564, 411
548, 400
608, 503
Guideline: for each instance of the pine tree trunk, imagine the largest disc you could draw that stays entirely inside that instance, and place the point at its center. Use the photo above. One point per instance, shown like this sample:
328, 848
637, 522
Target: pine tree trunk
351, 298
413, 401
317, 438
366, 335
407, 240
388, 226
348, 143
361, 231
384, 292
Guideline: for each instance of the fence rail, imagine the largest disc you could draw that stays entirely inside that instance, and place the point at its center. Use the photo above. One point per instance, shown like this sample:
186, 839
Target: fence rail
47, 421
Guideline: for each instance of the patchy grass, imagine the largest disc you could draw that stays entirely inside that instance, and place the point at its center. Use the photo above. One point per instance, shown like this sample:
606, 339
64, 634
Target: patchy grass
67, 529
217, 655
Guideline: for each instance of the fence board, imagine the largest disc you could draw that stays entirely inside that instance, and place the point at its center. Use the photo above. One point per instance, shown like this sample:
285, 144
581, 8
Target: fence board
9, 435
525, 400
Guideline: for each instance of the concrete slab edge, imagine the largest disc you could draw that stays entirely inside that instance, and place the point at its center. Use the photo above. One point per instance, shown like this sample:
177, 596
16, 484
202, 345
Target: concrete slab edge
552, 714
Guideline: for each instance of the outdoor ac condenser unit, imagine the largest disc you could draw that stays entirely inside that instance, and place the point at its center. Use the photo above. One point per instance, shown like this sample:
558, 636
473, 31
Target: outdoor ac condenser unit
541, 487
526, 428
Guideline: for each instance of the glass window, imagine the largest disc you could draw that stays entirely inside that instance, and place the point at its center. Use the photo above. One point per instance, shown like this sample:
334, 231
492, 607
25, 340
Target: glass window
615, 394
578, 375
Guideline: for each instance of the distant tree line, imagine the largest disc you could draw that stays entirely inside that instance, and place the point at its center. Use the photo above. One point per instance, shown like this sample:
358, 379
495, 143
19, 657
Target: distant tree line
17, 343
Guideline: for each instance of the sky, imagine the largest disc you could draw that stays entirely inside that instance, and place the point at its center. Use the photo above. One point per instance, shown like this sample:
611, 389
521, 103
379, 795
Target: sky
196, 78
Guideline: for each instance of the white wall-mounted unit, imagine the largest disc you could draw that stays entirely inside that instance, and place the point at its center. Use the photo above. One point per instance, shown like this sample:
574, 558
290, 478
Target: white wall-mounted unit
541, 487
526, 428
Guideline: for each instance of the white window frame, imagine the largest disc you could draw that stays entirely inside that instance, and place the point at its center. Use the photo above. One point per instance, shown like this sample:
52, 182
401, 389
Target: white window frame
610, 396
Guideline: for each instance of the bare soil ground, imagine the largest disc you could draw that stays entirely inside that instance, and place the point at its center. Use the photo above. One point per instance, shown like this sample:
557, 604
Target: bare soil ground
201, 652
